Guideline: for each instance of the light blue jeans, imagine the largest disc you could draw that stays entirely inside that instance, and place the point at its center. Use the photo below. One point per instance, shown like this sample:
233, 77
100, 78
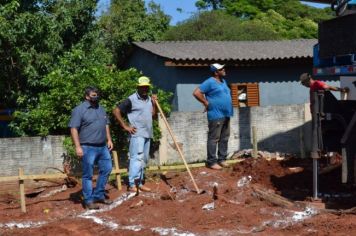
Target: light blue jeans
101, 157
139, 153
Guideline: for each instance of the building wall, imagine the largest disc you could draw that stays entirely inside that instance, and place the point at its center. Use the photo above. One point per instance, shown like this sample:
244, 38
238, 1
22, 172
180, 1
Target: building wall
283, 129
278, 83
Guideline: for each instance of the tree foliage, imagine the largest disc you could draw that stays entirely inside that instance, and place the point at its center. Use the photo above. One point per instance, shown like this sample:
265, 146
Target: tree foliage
217, 25
127, 21
52, 50
33, 34
250, 20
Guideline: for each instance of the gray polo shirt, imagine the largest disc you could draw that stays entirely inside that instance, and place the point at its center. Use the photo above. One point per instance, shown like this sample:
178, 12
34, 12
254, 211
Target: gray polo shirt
139, 113
91, 123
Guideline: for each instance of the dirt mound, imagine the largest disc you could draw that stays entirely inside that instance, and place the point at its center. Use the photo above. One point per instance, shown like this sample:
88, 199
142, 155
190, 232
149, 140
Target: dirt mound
260, 170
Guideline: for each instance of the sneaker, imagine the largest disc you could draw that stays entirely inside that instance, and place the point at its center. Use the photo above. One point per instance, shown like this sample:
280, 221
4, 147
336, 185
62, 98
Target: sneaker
144, 188
215, 167
223, 164
91, 206
104, 201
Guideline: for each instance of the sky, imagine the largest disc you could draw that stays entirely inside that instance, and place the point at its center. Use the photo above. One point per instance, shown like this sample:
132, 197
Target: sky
169, 7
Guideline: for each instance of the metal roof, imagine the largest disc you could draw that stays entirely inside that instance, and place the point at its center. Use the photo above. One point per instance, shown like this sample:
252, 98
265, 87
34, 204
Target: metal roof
231, 50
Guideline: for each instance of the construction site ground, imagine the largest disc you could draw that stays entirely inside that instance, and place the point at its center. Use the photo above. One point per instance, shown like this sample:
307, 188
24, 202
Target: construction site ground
245, 203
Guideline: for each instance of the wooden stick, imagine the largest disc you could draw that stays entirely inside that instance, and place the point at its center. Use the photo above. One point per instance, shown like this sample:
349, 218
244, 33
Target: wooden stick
272, 197
254, 142
22, 191
195, 165
177, 146
344, 168
117, 170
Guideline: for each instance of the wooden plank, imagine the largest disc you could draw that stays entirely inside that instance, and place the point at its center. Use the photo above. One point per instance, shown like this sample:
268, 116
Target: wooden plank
195, 165
43, 176
272, 197
254, 142
114, 171
22, 191
118, 174
344, 170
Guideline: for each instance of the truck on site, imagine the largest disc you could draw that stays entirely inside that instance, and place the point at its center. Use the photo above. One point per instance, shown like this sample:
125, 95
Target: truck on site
334, 119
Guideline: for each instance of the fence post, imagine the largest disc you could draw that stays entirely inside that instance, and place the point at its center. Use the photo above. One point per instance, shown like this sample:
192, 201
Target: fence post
254, 142
22, 190
117, 169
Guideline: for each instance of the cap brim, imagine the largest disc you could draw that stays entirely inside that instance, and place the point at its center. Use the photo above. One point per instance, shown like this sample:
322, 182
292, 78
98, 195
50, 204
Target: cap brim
144, 84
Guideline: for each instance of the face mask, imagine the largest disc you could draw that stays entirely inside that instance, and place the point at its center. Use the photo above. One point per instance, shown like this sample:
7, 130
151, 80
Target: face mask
94, 99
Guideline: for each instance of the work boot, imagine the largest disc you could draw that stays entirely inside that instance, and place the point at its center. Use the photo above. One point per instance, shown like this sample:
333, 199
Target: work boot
223, 164
104, 201
144, 188
215, 167
91, 206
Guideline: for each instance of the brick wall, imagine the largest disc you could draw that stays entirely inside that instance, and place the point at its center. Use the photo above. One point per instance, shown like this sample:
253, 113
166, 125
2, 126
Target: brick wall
282, 128
33, 154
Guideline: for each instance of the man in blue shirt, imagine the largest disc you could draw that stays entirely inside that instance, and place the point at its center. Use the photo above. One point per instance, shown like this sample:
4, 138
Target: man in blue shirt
140, 108
215, 95
89, 128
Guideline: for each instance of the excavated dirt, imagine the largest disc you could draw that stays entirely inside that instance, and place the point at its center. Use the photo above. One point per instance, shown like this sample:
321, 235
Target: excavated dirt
174, 208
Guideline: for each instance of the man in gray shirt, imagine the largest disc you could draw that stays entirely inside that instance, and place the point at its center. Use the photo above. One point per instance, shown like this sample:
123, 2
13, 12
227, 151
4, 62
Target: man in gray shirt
89, 128
140, 108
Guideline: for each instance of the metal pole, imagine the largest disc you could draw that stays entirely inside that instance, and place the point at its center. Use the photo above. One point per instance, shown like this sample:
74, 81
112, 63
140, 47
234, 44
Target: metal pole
315, 178
316, 139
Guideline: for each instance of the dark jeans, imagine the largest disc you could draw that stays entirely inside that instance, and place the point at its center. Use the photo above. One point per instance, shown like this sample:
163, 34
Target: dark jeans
218, 137
100, 156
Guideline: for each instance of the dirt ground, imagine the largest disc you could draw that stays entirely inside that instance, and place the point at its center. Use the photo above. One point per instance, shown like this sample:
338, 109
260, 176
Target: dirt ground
173, 208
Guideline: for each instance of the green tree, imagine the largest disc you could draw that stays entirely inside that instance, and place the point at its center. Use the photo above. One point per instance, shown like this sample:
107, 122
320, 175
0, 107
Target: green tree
74, 71
290, 9
128, 21
217, 25
205, 4
52, 51
250, 20
33, 34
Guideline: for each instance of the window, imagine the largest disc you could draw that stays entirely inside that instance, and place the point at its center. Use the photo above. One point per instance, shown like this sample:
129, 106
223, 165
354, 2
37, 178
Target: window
245, 94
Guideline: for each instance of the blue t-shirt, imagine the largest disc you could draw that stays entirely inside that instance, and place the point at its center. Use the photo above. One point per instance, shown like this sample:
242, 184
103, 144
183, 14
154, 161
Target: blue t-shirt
219, 98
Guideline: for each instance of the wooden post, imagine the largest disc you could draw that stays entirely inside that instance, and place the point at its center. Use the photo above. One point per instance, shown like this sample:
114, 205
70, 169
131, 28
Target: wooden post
117, 175
22, 191
344, 171
301, 142
254, 142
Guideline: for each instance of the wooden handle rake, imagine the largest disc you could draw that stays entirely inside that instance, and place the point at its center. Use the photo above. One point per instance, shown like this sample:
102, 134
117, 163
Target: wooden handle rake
178, 148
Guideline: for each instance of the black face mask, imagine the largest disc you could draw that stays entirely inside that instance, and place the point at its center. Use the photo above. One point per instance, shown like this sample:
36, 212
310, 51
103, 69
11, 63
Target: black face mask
94, 99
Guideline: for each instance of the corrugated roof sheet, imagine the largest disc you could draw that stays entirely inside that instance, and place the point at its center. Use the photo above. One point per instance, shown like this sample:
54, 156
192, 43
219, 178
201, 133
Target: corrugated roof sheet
230, 50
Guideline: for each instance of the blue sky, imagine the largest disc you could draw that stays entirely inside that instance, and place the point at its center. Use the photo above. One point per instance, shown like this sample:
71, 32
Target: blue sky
170, 8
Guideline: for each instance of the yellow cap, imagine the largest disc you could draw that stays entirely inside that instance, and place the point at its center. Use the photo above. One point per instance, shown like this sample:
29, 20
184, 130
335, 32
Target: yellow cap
143, 81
